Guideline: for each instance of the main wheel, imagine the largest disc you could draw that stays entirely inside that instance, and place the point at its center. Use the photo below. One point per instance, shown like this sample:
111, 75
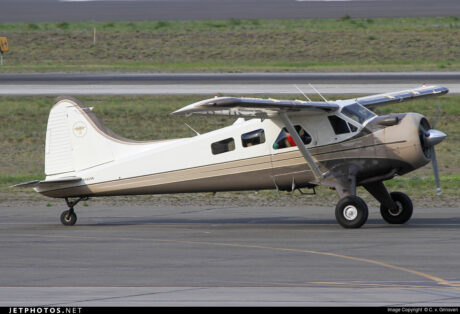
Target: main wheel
403, 211
351, 212
68, 218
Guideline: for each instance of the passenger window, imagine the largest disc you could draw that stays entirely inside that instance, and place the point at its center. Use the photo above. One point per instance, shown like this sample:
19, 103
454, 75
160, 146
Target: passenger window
285, 139
223, 146
339, 125
253, 138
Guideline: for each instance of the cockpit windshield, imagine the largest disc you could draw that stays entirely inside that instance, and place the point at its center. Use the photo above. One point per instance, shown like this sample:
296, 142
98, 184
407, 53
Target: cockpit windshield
358, 113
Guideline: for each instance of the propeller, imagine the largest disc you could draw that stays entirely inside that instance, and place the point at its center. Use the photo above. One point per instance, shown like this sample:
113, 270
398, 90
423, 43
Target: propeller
436, 115
434, 162
429, 138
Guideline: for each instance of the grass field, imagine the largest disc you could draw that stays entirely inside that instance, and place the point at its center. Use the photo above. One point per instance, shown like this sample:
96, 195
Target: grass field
345, 44
23, 125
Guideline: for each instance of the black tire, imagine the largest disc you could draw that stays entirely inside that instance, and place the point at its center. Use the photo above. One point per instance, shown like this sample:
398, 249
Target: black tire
351, 212
68, 219
404, 211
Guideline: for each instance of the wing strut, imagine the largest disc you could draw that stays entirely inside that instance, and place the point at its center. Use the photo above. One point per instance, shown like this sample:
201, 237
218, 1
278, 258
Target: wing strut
306, 154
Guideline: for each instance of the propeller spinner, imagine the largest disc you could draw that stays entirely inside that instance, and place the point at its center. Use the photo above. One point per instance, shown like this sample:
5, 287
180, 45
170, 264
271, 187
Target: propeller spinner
429, 138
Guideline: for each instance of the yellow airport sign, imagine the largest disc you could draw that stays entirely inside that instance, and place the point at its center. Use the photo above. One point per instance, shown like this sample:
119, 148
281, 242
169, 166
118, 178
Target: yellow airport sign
4, 44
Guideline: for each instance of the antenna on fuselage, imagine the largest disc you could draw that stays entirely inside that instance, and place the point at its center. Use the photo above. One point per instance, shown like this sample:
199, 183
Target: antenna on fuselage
302, 93
318, 92
192, 129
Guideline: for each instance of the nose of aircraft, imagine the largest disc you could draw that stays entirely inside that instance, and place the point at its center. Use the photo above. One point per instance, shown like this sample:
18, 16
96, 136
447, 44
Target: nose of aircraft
434, 137
430, 138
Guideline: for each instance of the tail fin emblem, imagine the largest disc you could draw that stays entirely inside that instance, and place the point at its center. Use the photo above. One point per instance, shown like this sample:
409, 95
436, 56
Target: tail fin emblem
79, 129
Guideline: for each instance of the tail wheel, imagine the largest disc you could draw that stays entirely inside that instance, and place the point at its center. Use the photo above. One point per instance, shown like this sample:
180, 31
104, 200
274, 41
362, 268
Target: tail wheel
351, 212
68, 218
403, 211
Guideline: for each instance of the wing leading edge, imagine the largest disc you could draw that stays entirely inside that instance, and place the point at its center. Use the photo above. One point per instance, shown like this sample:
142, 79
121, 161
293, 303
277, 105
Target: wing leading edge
252, 107
264, 108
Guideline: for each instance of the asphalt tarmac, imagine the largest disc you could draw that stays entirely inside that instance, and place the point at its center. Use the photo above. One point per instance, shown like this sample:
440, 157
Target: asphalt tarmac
122, 254
140, 10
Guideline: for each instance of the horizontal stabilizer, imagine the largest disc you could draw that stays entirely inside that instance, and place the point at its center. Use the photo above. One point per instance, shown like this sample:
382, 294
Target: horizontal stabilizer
36, 183
252, 107
26, 184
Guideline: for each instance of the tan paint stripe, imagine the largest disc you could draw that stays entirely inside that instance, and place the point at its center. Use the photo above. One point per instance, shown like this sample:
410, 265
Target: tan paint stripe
241, 166
180, 177
202, 172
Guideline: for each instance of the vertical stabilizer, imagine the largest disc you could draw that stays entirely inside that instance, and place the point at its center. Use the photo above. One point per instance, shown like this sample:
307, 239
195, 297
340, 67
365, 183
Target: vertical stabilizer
73, 140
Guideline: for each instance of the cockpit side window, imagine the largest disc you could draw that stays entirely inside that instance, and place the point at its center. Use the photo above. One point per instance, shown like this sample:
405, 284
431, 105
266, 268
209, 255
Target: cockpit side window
339, 125
285, 139
358, 113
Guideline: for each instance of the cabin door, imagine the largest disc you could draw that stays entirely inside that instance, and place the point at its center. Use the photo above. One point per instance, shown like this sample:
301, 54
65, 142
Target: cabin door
290, 170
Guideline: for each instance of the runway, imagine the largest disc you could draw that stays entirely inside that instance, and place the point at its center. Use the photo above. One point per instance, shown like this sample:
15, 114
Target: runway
140, 10
208, 89
220, 83
230, 78
212, 255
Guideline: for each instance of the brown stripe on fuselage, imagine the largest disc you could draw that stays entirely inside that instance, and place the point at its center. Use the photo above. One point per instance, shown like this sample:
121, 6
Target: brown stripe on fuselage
258, 168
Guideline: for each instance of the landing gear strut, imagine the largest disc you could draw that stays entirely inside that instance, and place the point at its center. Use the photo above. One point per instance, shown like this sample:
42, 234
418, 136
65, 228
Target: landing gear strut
68, 217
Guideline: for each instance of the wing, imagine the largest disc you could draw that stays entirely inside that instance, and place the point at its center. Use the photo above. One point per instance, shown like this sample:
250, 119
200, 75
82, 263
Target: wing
253, 107
394, 97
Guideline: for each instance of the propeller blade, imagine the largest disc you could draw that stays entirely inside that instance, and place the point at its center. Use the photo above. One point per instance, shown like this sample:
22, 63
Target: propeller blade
434, 161
437, 114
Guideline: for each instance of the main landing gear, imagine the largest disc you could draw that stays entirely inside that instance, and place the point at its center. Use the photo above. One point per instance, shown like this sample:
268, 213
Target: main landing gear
351, 212
68, 217
399, 214
395, 207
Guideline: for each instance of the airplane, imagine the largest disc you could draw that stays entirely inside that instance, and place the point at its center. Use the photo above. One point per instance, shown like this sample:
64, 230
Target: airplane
273, 144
